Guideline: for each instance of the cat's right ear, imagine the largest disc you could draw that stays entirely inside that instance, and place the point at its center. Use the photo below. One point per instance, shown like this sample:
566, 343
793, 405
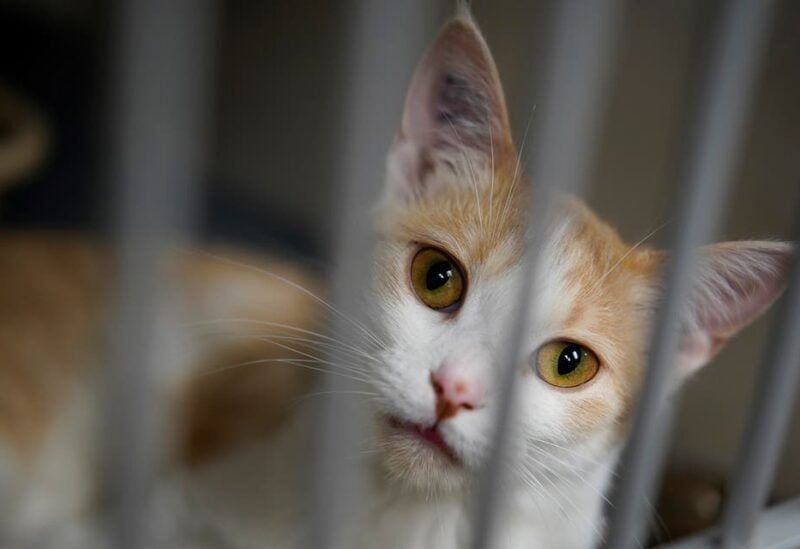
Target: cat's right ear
455, 122
736, 283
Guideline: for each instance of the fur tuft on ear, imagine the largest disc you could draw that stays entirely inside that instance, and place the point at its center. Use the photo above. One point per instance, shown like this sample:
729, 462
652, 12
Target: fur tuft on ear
736, 282
454, 118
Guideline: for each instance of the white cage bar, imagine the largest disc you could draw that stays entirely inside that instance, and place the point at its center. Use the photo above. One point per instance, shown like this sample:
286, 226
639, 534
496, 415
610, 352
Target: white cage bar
575, 87
769, 419
162, 80
702, 192
387, 38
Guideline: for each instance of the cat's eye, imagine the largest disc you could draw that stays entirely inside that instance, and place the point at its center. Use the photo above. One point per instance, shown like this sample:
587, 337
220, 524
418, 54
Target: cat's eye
566, 363
437, 279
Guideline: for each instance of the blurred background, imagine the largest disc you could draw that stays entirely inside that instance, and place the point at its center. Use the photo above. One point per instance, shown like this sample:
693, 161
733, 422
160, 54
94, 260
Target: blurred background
280, 85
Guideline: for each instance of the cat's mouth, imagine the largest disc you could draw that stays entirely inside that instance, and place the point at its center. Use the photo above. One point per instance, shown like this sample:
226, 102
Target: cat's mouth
429, 435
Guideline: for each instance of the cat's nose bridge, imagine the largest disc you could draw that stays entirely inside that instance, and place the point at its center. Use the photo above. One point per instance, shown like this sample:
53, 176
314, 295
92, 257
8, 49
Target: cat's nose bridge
456, 388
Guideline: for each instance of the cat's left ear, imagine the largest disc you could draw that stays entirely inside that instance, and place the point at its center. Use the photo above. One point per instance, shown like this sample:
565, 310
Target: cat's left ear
737, 282
455, 124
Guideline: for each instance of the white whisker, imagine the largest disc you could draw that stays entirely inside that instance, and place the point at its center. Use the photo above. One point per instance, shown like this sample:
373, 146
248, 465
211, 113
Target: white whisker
471, 167
279, 325
616, 264
292, 361
360, 357
295, 285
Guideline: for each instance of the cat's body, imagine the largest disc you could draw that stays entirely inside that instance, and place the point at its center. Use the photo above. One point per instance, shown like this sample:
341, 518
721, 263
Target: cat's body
53, 313
446, 276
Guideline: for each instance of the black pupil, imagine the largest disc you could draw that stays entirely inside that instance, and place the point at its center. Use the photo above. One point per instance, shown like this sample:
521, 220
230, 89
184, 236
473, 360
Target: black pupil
569, 359
438, 275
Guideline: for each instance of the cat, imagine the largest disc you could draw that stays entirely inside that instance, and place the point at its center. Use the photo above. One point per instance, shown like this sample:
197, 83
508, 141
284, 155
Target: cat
449, 262
447, 267
54, 312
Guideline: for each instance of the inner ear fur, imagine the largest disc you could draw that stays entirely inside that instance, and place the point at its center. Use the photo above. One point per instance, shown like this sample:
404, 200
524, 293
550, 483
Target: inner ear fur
734, 284
454, 113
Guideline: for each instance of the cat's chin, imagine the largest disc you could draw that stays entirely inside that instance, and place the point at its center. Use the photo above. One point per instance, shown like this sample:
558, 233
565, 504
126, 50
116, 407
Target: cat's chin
418, 459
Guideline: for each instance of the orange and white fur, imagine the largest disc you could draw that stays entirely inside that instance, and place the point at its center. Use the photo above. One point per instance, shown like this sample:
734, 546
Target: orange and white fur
446, 273
53, 322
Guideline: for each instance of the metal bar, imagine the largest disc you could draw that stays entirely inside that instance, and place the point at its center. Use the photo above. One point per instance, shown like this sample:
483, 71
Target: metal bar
388, 38
769, 419
776, 528
581, 50
160, 97
709, 166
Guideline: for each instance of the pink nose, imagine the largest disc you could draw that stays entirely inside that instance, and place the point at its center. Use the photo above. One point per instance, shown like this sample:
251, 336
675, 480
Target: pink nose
454, 390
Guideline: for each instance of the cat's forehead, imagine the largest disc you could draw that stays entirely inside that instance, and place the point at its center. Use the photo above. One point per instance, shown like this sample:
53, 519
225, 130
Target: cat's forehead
599, 275
482, 224
479, 224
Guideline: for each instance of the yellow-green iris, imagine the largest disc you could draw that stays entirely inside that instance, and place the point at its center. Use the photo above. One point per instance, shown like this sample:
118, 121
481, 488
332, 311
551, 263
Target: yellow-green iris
566, 363
437, 279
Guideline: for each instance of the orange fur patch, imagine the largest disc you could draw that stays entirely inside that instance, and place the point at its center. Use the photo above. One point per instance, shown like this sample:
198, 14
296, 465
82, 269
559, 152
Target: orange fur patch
50, 291
52, 311
242, 390
472, 221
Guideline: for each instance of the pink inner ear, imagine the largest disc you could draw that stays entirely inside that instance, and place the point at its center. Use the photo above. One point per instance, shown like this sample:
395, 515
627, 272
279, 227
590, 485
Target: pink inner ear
745, 278
454, 116
696, 350
405, 170
734, 311
455, 99
417, 123
737, 282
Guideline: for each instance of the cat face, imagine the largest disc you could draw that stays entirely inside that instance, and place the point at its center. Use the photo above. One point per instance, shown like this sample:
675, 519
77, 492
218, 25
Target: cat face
448, 270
